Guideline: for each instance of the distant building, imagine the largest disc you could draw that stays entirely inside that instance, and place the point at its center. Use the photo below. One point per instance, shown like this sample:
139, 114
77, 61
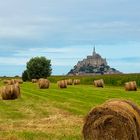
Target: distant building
93, 64
94, 60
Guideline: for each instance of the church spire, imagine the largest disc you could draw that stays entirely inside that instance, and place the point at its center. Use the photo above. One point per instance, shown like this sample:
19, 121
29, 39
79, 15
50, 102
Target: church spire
94, 52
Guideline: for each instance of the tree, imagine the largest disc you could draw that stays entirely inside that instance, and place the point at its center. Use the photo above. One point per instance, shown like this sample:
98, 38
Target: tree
39, 67
25, 76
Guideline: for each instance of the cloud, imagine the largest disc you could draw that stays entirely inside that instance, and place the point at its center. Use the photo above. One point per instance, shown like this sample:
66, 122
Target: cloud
66, 22
55, 52
125, 60
13, 61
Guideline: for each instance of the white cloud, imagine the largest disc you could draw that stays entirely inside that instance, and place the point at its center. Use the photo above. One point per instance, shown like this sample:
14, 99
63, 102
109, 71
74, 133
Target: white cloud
66, 56
57, 52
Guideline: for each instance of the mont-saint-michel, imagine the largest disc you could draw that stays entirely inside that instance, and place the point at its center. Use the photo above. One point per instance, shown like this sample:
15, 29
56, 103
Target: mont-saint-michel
93, 64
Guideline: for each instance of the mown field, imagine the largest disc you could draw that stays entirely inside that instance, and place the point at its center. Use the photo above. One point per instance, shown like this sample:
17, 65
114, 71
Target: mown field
53, 114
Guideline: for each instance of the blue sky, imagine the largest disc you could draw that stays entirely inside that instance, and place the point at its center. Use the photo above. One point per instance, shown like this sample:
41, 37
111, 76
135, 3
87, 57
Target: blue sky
65, 31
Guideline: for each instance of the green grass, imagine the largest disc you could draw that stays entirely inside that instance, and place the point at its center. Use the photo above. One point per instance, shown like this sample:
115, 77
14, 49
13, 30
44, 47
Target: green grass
53, 114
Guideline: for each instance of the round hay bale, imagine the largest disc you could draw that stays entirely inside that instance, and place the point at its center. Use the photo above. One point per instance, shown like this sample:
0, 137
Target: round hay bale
43, 83
69, 82
10, 92
113, 120
34, 80
20, 81
131, 86
62, 84
11, 82
66, 82
99, 83
76, 81
6, 81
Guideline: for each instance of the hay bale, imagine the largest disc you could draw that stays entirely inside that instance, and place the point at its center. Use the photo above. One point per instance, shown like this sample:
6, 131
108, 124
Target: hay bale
131, 86
6, 81
99, 83
66, 82
114, 120
34, 80
69, 82
43, 83
62, 84
10, 92
11, 82
76, 81
20, 81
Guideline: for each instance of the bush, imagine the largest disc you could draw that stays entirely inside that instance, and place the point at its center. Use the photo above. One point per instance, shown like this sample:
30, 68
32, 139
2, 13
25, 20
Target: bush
39, 67
25, 76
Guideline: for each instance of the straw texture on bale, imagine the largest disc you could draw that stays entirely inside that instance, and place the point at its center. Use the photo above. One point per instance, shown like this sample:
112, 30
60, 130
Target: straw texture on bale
10, 92
114, 120
99, 83
34, 80
62, 84
76, 81
43, 83
69, 82
131, 86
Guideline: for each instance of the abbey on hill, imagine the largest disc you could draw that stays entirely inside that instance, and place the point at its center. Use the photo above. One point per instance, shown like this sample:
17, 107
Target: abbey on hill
92, 65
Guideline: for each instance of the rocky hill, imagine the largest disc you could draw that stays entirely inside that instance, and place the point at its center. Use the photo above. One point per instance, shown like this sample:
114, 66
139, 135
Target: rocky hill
92, 65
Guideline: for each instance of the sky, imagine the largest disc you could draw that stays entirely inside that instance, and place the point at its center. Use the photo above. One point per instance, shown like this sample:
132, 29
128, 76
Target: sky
66, 31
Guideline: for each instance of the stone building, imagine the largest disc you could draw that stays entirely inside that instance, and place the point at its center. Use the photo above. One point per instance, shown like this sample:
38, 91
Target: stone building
94, 60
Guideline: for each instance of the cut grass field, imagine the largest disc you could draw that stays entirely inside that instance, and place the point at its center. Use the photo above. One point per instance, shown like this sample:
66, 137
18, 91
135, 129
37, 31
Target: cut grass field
53, 114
